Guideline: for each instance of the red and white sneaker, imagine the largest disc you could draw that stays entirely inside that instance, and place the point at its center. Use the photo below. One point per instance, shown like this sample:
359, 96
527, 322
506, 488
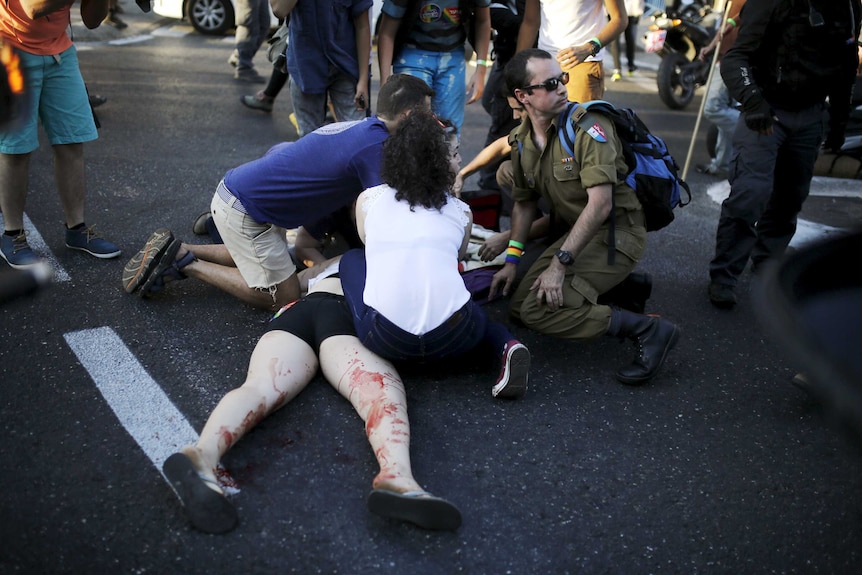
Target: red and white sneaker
515, 371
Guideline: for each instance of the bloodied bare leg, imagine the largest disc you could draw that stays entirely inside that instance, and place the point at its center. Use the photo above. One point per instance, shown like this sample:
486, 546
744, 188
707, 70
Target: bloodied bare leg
375, 390
280, 367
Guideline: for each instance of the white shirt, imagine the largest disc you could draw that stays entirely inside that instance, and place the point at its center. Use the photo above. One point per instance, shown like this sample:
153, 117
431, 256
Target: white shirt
412, 259
566, 23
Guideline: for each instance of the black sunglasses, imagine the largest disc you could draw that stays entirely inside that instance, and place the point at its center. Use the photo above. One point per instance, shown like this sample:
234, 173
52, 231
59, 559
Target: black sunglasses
550, 85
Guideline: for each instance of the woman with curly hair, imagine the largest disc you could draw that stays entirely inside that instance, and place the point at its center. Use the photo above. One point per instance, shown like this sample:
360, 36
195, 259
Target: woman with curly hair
408, 300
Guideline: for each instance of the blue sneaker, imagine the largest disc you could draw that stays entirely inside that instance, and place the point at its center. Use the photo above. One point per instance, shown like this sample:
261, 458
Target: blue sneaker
17, 252
88, 241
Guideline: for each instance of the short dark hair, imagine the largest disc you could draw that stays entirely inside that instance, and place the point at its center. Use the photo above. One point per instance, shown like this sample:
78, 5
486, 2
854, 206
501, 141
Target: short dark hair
402, 93
515, 71
416, 161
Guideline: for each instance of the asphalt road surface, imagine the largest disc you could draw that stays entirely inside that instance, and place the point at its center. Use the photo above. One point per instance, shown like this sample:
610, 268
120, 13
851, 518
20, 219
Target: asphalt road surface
719, 465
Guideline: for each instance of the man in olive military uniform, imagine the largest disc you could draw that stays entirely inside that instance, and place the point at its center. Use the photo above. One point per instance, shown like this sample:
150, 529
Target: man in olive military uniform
559, 293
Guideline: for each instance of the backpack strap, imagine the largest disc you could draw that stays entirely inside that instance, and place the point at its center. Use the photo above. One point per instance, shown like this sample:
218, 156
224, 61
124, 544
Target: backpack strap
579, 115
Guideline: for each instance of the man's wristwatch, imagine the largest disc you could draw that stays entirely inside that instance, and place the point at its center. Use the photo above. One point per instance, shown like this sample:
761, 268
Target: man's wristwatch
566, 258
595, 46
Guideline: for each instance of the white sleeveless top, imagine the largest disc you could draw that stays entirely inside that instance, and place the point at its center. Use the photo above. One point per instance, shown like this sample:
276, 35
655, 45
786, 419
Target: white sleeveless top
412, 260
565, 23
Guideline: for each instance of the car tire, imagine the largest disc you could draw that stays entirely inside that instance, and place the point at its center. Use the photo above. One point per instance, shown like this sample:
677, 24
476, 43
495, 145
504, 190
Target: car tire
211, 17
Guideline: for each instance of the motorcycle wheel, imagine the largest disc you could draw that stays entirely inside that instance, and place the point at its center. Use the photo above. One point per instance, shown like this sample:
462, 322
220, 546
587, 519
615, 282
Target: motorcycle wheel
673, 90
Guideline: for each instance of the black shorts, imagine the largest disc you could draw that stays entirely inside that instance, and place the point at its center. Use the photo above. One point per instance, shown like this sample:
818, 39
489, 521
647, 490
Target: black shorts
314, 318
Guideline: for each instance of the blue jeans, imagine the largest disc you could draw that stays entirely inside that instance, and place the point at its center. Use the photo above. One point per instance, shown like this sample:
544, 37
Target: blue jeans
720, 110
461, 333
445, 72
770, 177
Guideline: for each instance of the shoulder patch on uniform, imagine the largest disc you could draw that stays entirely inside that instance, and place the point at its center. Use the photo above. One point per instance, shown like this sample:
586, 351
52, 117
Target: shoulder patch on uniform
597, 133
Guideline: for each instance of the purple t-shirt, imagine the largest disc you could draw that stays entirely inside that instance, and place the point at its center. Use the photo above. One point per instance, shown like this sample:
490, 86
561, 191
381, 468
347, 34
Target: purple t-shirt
299, 182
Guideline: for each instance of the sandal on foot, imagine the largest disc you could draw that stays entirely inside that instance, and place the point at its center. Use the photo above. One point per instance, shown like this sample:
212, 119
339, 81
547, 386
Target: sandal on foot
418, 507
175, 271
159, 267
208, 510
139, 268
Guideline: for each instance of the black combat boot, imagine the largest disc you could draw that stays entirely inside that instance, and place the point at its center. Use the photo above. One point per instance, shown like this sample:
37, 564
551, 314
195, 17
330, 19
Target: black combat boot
632, 293
654, 337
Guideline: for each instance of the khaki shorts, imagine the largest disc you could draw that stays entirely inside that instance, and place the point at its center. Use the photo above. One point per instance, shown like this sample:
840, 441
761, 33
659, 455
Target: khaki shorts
586, 82
260, 251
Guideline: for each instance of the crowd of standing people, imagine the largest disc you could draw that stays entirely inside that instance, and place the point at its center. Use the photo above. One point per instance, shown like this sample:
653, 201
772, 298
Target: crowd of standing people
398, 297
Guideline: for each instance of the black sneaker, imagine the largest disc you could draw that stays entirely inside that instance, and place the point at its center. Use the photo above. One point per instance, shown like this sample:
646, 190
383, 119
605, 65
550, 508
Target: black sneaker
722, 296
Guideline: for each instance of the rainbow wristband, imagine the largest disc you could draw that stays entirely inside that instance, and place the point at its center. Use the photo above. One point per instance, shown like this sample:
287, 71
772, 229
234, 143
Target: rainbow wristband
513, 254
516, 244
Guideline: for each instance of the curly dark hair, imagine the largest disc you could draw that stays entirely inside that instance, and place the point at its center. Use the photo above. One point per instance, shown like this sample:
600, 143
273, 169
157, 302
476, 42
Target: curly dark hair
416, 161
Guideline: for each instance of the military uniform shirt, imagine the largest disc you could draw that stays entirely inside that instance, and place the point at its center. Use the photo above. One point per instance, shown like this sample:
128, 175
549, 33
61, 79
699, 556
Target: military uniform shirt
562, 179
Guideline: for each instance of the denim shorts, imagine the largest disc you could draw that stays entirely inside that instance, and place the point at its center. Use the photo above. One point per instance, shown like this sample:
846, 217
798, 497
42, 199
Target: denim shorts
58, 98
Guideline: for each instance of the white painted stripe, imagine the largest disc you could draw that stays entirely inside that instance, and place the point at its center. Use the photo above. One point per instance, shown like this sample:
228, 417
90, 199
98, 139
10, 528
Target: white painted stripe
34, 238
137, 400
173, 31
130, 40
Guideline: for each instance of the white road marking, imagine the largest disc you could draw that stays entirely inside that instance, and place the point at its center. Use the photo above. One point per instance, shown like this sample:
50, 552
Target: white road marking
34, 238
136, 399
131, 40
173, 31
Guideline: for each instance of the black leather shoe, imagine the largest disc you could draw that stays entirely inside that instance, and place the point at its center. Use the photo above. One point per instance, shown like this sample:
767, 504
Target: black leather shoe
722, 296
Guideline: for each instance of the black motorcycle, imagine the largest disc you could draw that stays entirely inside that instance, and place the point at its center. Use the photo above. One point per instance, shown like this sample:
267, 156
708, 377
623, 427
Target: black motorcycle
677, 35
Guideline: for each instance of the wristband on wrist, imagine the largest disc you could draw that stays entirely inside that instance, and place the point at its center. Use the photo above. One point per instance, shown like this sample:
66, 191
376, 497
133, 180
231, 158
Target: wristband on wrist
510, 259
597, 45
513, 254
485, 63
515, 244
732, 22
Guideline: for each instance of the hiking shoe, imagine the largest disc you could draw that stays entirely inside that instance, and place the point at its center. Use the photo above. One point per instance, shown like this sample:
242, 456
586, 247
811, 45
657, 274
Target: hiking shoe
249, 75
199, 227
617, 76
139, 268
113, 20
17, 253
256, 103
722, 296
97, 100
515, 372
87, 240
